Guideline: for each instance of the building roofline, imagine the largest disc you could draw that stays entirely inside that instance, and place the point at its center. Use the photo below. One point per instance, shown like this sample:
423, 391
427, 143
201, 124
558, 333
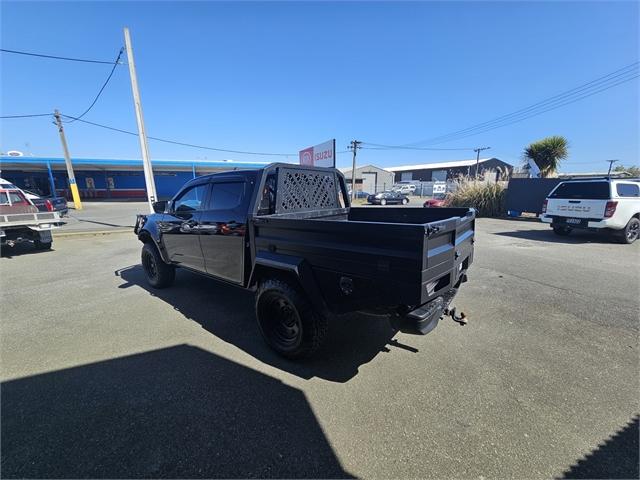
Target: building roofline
450, 164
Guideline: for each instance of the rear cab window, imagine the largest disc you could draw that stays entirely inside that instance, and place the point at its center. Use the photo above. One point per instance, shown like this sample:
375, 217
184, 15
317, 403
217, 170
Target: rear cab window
583, 190
13, 197
226, 195
628, 190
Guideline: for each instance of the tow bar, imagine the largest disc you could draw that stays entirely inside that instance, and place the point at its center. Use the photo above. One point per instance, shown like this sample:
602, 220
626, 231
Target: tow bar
462, 319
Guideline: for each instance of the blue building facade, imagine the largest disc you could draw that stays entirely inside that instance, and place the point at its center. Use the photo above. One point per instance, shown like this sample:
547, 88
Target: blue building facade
109, 178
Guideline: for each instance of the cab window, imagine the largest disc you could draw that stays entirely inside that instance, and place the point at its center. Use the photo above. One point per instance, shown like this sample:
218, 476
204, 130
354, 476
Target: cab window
190, 200
17, 198
226, 195
4, 198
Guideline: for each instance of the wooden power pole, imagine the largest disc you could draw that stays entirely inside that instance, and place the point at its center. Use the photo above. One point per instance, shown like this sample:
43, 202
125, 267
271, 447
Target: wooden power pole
75, 194
355, 145
142, 133
478, 150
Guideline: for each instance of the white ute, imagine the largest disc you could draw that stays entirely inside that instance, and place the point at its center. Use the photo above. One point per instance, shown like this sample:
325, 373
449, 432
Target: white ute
601, 204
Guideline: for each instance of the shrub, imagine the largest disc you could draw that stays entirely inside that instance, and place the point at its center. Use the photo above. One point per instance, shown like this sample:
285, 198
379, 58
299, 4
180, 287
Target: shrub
487, 198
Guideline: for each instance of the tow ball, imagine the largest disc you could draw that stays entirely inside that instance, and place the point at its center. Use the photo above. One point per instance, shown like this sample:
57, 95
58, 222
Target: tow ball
462, 319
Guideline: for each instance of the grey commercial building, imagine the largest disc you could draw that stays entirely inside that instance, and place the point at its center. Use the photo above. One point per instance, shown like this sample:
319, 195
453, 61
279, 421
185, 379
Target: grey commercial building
370, 178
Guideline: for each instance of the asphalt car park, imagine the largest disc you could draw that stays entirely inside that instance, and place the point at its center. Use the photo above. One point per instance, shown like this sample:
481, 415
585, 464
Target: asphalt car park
104, 377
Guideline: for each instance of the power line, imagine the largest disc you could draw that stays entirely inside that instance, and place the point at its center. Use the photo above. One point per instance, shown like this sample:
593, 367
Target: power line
70, 59
554, 107
116, 63
574, 91
578, 93
27, 116
184, 144
377, 146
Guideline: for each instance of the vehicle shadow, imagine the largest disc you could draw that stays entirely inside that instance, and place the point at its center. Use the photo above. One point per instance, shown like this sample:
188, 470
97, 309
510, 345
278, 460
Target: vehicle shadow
228, 313
176, 412
21, 249
576, 237
616, 457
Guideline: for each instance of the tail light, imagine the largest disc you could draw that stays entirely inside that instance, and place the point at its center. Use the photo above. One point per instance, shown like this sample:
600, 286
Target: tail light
610, 209
544, 206
49, 205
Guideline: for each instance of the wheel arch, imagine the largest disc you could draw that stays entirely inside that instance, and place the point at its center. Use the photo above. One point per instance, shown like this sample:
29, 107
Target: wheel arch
291, 269
145, 236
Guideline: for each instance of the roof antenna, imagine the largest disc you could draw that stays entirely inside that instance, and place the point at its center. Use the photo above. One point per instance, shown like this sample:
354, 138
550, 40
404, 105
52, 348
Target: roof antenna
611, 162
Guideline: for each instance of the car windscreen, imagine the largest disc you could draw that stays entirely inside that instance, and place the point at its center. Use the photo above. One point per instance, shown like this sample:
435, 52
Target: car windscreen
582, 190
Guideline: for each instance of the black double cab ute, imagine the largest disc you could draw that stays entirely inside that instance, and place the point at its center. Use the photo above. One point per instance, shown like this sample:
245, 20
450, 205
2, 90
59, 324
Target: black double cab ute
288, 233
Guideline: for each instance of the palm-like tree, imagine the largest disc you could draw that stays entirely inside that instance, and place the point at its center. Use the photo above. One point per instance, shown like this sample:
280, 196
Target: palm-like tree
548, 153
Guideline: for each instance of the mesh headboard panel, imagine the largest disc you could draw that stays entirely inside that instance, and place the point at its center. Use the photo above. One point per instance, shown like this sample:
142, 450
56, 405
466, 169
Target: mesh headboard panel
301, 189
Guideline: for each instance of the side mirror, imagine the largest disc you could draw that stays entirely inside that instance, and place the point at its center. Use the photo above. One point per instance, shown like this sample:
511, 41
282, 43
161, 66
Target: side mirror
159, 207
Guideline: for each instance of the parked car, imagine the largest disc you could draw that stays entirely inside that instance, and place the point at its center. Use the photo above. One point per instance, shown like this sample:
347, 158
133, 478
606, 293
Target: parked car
286, 233
20, 220
611, 205
48, 204
404, 187
388, 198
438, 200
359, 194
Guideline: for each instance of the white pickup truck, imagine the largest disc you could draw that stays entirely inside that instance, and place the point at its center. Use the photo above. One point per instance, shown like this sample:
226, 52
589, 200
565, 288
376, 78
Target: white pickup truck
611, 205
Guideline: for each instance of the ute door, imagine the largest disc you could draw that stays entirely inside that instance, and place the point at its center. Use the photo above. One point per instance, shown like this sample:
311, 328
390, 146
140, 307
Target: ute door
223, 229
179, 227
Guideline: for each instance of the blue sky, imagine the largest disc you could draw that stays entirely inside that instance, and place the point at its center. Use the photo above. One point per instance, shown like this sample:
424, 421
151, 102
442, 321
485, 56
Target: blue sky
278, 77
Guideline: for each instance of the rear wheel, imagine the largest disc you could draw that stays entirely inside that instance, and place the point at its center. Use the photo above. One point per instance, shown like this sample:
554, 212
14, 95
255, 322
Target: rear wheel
158, 273
561, 230
405, 201
383, 202
287, 321
631, 232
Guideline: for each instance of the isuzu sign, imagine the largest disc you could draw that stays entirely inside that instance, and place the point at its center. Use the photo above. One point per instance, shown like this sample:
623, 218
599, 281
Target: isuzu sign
323, 155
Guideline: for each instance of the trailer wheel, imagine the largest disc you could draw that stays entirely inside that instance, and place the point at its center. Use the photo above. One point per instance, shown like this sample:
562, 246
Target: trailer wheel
287, 321
158, 273
561, 230
38, 245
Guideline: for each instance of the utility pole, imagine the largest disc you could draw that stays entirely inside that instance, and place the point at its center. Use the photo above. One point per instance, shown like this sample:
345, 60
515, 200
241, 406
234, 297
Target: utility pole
611, 162
478, 150
75, 194
355, 145
142, 133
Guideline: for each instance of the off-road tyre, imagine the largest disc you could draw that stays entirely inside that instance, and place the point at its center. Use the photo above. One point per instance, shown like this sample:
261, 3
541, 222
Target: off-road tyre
287, 320
630, 233
158, 273
561, 230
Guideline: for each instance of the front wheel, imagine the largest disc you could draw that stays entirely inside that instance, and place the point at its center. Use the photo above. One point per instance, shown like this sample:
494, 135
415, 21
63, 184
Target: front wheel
561, 230
158, 273
287, 321
405, 201
383, 202
631, 232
